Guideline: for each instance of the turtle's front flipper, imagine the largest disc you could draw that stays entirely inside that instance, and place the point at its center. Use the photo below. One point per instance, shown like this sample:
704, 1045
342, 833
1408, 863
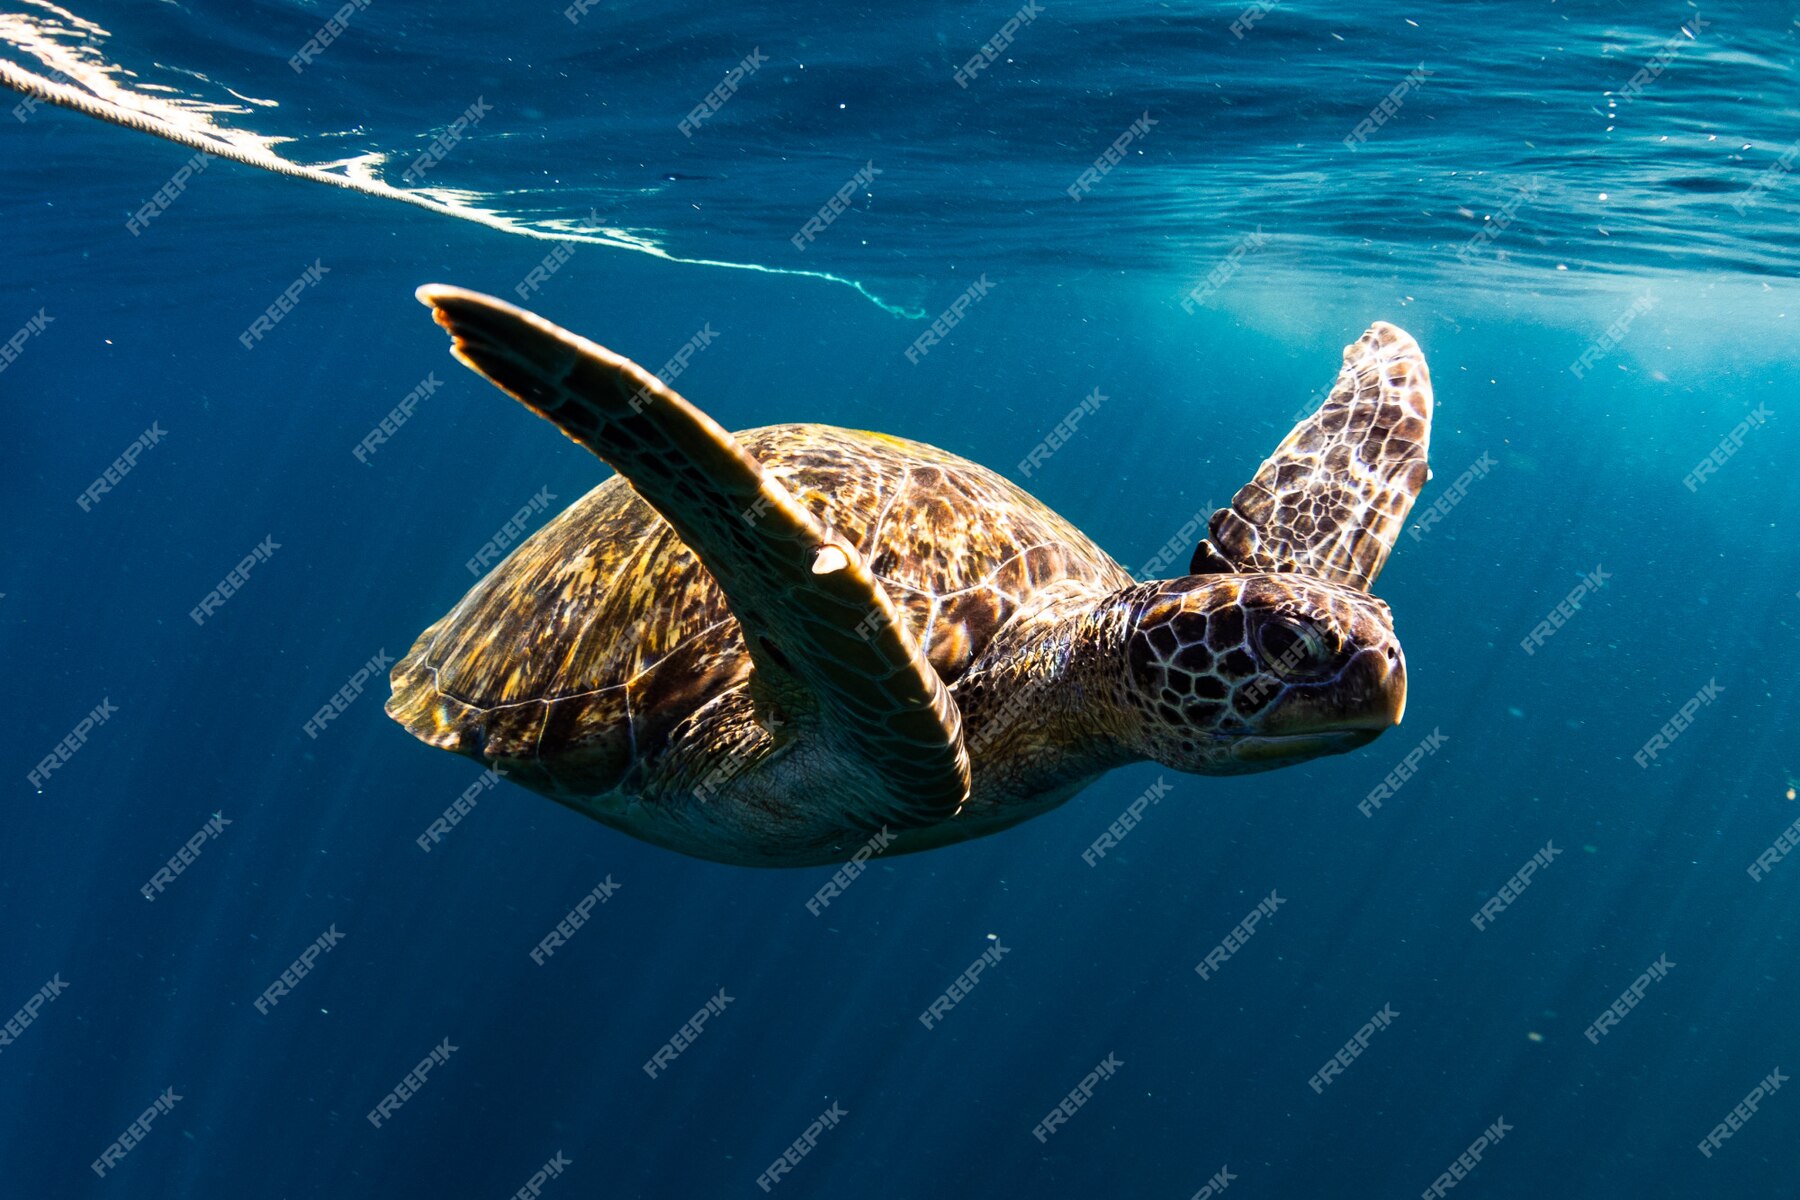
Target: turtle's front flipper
832, 659
1333, 497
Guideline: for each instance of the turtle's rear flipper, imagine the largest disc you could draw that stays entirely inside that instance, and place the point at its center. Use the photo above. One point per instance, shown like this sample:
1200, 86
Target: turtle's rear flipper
1333, 497
832, 659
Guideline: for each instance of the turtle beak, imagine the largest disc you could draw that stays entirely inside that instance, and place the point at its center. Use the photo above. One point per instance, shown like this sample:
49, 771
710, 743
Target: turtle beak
1373, 690
1367, 698
1262, 753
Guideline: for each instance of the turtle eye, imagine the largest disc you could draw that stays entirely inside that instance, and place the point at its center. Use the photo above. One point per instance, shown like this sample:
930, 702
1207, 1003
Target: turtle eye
1292, 648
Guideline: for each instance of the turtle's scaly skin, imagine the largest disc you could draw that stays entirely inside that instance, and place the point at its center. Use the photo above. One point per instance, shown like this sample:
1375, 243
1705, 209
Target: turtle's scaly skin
582, 663
863, 634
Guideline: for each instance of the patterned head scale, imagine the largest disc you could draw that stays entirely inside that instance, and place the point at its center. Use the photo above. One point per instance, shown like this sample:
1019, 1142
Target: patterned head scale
1236, 673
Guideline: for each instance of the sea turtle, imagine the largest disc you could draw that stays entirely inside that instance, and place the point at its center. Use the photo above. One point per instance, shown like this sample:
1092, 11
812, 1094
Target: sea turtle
773, 647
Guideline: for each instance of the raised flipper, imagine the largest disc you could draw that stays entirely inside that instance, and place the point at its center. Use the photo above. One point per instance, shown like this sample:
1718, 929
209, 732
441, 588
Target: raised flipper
1334, 495
832, 659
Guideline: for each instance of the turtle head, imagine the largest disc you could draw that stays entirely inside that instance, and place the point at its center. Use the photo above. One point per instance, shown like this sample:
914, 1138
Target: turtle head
1271, 650
1238, 673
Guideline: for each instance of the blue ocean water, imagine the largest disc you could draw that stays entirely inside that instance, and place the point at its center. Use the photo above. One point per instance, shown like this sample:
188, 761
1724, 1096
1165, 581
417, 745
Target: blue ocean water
1583, 212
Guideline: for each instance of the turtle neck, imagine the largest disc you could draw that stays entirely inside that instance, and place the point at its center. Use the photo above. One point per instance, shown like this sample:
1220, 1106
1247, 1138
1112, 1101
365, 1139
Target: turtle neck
1044, 708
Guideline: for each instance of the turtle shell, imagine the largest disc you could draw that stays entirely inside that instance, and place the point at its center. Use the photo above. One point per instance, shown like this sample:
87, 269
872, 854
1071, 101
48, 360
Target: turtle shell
601, 632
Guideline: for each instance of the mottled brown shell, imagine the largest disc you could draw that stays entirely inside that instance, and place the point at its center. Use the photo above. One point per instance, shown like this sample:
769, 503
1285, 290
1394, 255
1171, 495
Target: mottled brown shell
602, 631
